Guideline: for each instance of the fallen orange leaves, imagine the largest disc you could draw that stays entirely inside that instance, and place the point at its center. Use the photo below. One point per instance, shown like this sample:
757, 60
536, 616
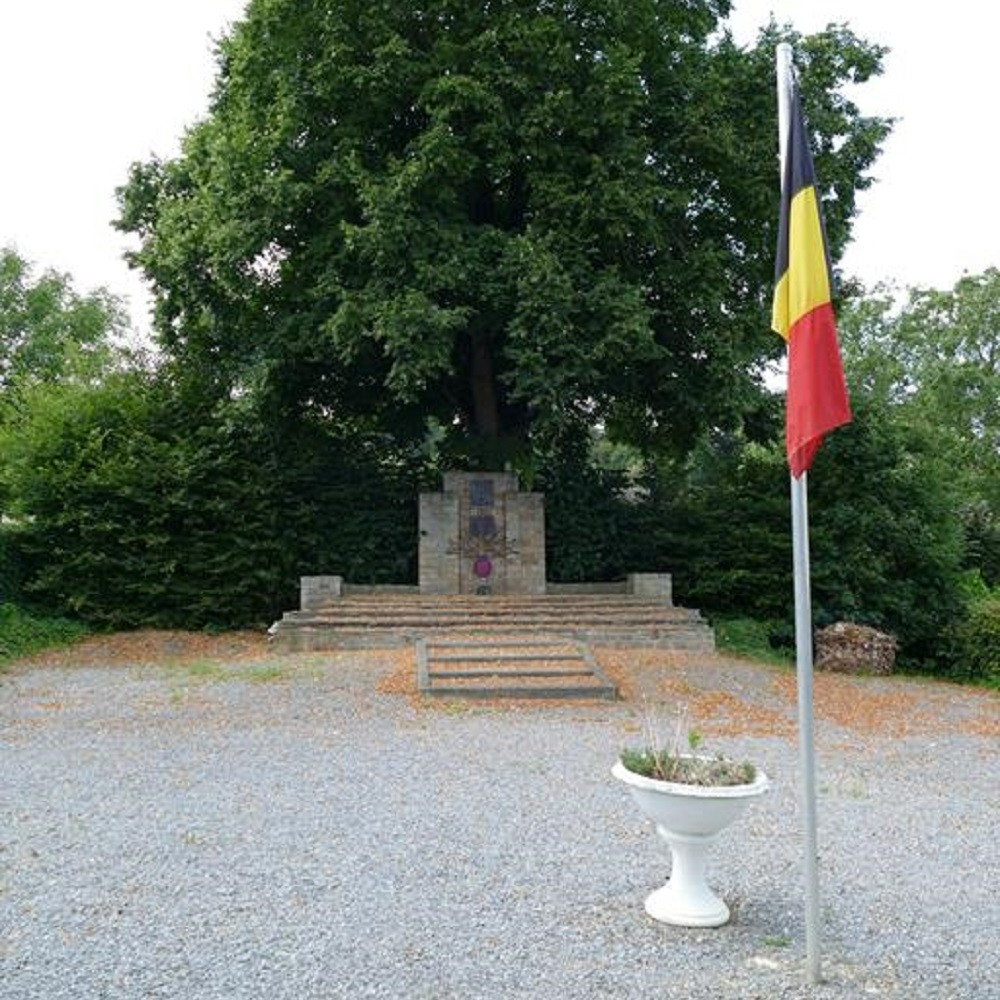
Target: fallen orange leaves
724, 696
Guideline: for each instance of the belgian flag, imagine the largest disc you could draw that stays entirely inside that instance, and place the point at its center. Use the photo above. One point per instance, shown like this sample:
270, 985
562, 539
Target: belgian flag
802, 310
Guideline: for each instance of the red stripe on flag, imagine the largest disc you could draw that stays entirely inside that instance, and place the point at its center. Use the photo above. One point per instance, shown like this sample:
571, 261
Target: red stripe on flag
817, 394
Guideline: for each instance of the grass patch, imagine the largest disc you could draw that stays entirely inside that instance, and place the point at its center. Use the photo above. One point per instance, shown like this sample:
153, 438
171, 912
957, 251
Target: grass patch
750, 638
22, 633
210, 671
266, 675
777, 941
204, 670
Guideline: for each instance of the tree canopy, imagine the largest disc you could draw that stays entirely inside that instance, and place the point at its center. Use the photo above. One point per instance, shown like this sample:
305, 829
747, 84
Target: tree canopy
933, 362
505, 219
938, 356
48, 331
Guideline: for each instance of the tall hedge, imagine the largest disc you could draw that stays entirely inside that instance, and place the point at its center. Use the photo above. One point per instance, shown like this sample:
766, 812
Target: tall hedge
130, 510
886, 535
127, 508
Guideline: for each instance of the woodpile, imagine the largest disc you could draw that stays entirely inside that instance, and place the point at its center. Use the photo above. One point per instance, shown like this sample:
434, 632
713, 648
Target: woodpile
847, 648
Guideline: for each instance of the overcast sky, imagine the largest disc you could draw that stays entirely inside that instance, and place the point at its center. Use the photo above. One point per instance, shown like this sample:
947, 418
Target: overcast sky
89, 86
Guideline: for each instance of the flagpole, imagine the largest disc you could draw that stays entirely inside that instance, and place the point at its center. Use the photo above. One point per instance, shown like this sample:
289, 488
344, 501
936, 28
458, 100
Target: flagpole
807, 756
803, 619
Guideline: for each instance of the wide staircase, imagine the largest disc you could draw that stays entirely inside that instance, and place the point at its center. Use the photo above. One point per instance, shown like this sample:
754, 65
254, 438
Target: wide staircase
388, 620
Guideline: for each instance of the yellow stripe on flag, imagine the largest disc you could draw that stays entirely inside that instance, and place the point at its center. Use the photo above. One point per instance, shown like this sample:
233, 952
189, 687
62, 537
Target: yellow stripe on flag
806, 281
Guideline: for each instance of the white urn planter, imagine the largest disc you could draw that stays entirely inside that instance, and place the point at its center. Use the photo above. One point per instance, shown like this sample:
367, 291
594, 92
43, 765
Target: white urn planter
689, 818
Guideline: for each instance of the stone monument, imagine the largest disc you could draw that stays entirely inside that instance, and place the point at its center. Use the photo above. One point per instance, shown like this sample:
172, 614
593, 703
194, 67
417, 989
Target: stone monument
481, 535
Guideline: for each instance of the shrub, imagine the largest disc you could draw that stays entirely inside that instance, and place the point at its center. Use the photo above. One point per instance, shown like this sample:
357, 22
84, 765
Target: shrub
591, 530
22, 633
979, 641
751, 638
131, 510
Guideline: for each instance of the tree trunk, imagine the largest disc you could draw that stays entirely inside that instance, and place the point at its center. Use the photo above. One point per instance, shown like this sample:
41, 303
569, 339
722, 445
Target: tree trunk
485, 410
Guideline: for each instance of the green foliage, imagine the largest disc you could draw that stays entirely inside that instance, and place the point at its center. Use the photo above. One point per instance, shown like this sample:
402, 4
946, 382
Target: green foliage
48, 332
978, 654
135, 509
981, 527
887, 543
592, 522
22, 633
81, 468
885, 538
750, 638
512, 218
777, 941
934, 362
11, 570
722, 526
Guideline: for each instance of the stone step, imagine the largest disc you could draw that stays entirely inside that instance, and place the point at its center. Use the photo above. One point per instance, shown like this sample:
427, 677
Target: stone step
395, 621
315, 638
493, 609
415, 596
452, 621
499, 668
496, 600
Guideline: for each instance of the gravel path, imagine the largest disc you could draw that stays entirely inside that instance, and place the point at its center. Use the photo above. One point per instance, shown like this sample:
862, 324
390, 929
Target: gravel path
281, 829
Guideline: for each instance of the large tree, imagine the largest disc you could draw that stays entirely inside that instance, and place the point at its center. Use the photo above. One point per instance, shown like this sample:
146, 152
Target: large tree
936, 357
52, 339
507, 218
49, 332
933, 361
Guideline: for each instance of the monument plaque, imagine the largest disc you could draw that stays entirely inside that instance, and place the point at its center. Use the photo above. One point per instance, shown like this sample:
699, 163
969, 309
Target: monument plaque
481, 535
481, 492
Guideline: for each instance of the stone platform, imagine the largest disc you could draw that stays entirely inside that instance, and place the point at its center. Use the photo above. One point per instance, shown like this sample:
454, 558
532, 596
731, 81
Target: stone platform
396, 619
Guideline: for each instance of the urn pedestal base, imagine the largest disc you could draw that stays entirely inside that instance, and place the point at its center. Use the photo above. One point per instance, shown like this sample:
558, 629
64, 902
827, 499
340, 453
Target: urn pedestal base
687, 900
689, 818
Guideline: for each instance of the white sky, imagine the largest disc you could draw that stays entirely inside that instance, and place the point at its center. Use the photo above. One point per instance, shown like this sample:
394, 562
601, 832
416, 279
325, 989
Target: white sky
89, 86
932, 214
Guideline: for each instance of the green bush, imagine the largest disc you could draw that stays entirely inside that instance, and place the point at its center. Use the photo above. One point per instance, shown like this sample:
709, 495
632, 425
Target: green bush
981, 524
592, 532
22, 633
886, 542
10, 565
979, 642
134, 510
752, 638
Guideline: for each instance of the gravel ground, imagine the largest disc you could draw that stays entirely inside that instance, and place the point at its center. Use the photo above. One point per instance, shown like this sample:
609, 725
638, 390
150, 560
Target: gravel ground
283, 829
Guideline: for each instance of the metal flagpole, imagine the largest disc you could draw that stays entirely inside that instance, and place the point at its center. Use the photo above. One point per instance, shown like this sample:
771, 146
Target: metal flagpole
807, 756
803, 618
